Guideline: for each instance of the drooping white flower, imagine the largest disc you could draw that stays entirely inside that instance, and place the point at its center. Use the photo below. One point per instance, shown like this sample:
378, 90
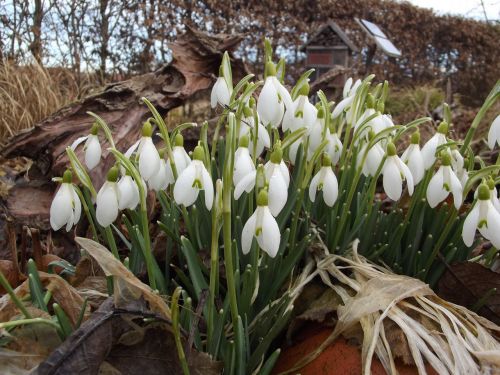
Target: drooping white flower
349, 93
193, 179
334, 146
490, 182
326, 181
263, 226
248, 128
107, 200
484, 217
494, 133
149, 159
160, 181
220, 92
395, 171
294, 149
444, 182
278, 178
317, 131
128, 193
429, 149
302, 113
66, 207
373, 158
412, 156
274, 99
243, 163
92, 147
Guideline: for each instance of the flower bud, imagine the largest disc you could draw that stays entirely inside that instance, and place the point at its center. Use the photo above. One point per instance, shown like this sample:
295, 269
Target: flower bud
179, 140
304, 89
243, 141
443, 128
446, 159
415, 138
277, 155
262, 199
198, 153
270, 69
326, 161
370, 101
483, 192
391, 149
67, 176
112, 175
147, 129
94, 129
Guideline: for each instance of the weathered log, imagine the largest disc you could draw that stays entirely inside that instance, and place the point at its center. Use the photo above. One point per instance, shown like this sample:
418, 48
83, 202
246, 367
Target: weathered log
196, 59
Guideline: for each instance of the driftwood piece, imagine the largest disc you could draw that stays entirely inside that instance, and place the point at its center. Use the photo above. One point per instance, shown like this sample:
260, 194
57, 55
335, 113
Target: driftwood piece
196, 59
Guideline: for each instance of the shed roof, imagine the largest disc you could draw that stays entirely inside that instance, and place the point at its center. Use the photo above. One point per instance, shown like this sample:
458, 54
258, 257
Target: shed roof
336, 29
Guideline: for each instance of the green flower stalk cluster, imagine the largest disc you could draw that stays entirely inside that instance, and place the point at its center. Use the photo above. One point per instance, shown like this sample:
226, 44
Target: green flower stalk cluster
242, 198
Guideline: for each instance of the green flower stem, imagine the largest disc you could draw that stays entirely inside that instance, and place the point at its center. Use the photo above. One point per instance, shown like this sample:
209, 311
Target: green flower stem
490, 100
87, 212
215, 138
110, 239
226, 214
177, 330
105, 128
80, 171
5, 284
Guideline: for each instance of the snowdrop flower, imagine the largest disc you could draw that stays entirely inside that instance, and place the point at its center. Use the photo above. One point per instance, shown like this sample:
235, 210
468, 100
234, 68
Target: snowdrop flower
193, 179
248, 128
414, 159
294, 149
220, 92
302, 114
107, 199
243, 163
334, 146
161, 180
181, 158
273, 99
263, 226
494, 133
373, 158
128, 193
92, 147
395, 171
429, 149
490, 182
317, 131
149, 159
66, 207
349, 93
248, 182
444, 182
278, 178
484, 217
326, 181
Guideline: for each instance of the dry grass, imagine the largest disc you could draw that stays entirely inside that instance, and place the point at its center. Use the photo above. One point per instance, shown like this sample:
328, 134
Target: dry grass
30, 93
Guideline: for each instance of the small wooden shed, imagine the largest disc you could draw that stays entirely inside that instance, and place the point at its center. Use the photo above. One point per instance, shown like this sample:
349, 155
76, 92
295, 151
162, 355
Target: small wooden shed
327, 48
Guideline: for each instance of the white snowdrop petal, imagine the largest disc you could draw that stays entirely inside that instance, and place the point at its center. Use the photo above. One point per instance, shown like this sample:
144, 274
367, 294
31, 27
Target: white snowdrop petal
161, 180
60, 208
407, 175
149, 159
278, 193
77, 142
415, 163
456, 189
208, 188
344, 103
494, 133
107, 205
243, 164
222, 92
247, 184
285, 173
492, 230
270, 237
125, 192
470, 225
347, 87
268, 103
248, 233
310, 114
435, 190
184, 192
313, 186
131, 149
392, 182
330, 187
77, 206
92, 152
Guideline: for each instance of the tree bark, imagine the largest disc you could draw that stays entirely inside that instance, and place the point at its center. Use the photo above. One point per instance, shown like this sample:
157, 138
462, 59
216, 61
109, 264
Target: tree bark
194, 68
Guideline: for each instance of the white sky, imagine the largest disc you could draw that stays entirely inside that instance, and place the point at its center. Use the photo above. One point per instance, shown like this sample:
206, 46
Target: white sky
466, 8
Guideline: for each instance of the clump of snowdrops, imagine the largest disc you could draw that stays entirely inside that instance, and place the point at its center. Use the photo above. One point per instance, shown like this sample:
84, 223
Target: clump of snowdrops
285, 172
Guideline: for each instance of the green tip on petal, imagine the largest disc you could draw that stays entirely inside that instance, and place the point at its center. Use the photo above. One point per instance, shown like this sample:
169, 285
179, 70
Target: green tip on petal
277, 154
262, 199
446, 159
251, 102
483, 192
198, 153
370, 101
243, 142
304, 89
326, 161
415, 138
179, 140
94, 129
443, 128
147, 129
113, 174
270, 69
67, 176
321, 113
391, 149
